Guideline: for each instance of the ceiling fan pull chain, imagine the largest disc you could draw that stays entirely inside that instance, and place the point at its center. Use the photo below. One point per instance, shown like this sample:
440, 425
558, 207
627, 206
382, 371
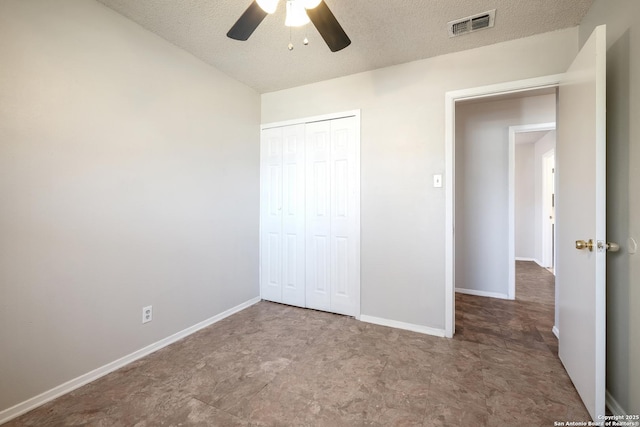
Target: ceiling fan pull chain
290, 44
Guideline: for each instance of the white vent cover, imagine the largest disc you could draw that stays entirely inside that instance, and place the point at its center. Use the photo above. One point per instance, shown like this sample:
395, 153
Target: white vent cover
471, 23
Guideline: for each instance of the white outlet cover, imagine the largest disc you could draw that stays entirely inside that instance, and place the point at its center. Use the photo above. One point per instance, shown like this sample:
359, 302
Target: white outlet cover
147, 314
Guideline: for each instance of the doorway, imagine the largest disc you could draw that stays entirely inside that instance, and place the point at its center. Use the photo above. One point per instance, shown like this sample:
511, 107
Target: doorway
505, 90
495, 212
531, 196
580, 261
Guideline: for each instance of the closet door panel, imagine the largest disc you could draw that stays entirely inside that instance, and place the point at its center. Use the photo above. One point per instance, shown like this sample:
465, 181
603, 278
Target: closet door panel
271, 232
318, 215
293, 215
345, 216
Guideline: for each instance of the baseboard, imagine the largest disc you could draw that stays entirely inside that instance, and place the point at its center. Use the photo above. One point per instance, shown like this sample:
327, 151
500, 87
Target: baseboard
613, 405
32, 403
482, 293
556, 331
402, 325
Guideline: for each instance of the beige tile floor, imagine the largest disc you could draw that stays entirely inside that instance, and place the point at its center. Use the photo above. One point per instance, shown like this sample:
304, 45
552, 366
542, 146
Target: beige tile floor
275, 365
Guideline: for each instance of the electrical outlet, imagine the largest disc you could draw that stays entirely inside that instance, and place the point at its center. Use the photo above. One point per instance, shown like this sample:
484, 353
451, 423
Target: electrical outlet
147, 314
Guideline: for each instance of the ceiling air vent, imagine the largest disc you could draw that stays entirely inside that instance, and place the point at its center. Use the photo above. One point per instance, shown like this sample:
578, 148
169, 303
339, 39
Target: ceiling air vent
471, 23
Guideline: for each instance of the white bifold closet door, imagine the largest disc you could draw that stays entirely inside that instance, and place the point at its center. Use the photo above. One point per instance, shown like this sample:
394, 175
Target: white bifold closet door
310, 215
282, 227
332, 216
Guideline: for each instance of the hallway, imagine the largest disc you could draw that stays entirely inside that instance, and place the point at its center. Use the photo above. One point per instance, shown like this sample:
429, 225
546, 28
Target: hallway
523, 324
519, 348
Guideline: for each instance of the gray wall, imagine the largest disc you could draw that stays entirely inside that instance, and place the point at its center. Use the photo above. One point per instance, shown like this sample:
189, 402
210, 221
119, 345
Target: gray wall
128, 177
482, 187
623, 193
525, 201
402, 131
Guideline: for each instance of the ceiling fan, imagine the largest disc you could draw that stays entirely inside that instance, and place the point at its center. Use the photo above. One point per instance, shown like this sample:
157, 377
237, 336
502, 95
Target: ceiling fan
299, 12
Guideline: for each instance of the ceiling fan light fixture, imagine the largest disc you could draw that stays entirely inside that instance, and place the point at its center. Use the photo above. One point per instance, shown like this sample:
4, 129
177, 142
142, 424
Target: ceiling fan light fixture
268, 6
296, 14
299, 12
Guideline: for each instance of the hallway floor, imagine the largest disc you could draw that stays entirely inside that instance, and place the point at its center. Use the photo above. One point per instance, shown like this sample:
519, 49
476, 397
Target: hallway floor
275, 365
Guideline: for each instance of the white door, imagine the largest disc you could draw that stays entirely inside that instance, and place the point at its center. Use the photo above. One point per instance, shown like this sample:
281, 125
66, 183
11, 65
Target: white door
318, 215
293, 213
271, 214
580, 216
333, 215
282, 215
345, 216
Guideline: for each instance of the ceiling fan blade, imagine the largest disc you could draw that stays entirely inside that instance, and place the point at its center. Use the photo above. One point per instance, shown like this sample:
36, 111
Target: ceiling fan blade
328, 27
247, 23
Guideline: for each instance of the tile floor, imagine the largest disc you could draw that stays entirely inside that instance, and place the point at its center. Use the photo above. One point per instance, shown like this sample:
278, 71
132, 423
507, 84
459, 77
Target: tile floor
275, 365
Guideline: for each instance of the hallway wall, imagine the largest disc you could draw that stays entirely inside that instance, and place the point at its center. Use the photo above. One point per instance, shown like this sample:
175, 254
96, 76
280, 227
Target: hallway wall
525, 201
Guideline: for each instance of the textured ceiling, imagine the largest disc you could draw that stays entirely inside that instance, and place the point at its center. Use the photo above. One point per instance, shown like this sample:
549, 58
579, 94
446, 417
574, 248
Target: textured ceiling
383, 33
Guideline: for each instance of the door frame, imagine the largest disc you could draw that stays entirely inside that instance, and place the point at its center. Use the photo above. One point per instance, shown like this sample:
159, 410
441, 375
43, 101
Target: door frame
319, 118
513, 130
548, 189
451, 98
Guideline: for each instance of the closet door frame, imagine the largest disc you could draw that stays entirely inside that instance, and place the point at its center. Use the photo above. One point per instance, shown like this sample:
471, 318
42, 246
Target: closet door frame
326, 117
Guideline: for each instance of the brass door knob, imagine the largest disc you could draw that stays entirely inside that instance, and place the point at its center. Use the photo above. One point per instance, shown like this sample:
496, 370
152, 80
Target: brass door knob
581, 244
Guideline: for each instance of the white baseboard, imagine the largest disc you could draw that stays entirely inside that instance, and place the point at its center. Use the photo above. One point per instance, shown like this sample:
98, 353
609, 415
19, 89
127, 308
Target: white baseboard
402, 325
537, 261
556, 331
32, 403
613, 405
482, 293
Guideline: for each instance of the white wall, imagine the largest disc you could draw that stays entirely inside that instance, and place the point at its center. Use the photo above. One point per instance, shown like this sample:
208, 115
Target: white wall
525, 201
403, 216
482, 187
128, 177
623, 193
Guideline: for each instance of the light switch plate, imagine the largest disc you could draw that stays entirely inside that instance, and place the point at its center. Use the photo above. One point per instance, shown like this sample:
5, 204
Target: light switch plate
437, 180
